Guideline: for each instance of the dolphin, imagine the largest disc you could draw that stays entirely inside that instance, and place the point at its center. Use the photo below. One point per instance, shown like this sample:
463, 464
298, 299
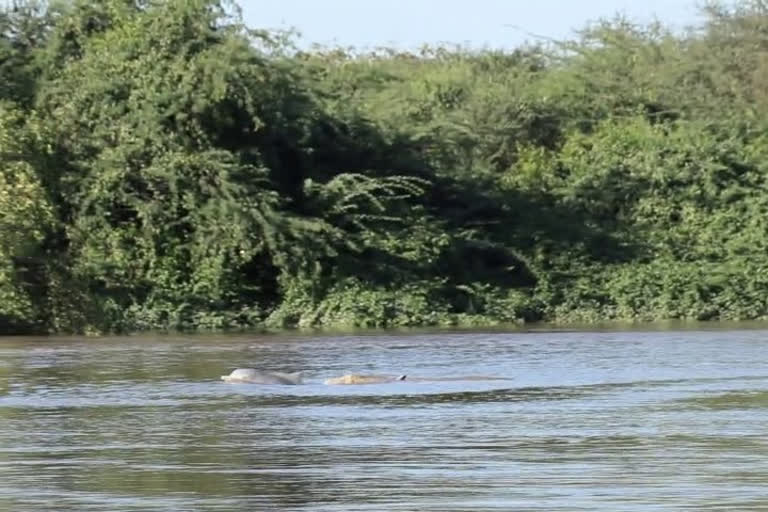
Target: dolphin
363, 379
352, 378
253, 376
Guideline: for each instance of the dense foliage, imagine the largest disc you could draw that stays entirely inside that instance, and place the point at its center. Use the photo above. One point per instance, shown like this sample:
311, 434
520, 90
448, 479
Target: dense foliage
163, 166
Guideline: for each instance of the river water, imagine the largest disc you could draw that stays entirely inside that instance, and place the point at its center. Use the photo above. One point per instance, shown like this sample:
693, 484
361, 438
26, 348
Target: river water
589, 421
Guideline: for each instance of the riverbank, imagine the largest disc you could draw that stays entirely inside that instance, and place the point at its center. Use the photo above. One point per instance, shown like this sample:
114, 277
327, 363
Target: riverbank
163, 167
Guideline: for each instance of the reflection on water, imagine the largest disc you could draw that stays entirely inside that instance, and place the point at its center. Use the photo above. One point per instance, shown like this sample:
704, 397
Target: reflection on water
733, 400
611, 421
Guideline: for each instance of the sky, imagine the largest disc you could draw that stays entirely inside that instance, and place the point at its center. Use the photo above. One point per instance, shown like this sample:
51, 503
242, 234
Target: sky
476, 23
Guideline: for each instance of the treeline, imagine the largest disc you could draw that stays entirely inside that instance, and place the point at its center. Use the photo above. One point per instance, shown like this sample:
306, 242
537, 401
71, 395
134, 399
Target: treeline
162, 166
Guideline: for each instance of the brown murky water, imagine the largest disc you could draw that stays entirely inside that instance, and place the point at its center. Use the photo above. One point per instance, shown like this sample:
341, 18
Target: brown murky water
591, 421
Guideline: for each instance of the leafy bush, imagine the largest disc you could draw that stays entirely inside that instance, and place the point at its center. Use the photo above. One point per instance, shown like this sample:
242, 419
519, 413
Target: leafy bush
162, 166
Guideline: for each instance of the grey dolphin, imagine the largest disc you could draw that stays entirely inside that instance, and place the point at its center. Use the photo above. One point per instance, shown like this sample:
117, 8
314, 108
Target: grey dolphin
253, 376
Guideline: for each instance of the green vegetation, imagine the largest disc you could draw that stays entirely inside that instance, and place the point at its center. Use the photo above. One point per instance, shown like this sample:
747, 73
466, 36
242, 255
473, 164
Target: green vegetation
164, 167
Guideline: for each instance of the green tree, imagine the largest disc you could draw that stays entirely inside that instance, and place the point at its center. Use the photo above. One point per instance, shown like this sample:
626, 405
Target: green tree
25, 216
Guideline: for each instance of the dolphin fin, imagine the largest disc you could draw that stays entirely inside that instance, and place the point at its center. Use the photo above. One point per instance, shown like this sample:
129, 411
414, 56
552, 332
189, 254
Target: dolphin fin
297, 377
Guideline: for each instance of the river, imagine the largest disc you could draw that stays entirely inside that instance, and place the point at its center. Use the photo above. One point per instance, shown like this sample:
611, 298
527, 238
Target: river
589, 421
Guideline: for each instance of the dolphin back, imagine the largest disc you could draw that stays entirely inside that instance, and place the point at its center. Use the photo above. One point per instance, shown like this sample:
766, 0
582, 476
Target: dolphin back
253, 376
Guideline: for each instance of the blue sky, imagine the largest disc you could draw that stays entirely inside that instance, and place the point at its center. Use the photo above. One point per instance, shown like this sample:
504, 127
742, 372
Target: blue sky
410, 23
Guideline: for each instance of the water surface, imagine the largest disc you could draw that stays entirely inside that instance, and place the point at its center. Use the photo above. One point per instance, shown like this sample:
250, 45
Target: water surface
607, 421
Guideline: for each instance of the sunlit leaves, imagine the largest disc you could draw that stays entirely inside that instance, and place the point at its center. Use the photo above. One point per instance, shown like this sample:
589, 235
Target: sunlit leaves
25, 216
